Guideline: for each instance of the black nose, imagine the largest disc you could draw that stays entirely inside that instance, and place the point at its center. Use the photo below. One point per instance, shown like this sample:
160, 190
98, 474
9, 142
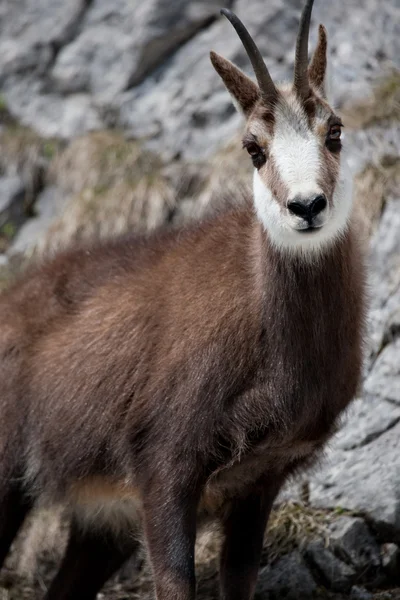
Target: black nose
308, 209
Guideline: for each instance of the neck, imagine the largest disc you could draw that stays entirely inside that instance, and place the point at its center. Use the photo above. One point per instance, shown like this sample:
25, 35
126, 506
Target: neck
290, 284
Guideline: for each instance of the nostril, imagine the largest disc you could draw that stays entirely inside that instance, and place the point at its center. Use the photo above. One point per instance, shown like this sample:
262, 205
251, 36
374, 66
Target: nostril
317, 205
298, 208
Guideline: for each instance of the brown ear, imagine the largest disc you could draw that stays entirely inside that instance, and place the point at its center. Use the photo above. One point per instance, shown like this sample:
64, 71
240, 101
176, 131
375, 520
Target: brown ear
317, 68
244, 91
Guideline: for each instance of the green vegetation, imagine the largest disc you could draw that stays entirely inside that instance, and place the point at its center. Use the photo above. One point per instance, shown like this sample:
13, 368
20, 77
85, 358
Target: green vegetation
3, 104
8, 230
50, 148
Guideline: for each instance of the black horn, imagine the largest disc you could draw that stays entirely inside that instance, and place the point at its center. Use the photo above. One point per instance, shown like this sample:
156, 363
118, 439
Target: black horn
265, 83
301, 82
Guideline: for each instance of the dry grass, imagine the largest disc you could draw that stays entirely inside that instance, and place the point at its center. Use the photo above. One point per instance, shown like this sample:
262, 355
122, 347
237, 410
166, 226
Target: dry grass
231, 170
372, 186
26, 154
23, 151
113, 185
293, 525
382, 177
382, 105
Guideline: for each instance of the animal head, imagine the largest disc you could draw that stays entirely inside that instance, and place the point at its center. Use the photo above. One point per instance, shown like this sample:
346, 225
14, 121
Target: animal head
302, 192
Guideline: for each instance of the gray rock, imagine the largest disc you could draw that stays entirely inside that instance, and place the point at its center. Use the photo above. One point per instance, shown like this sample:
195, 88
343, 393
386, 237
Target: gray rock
193, 120
367, 418
335, 574
351, 539
288, 579
49, 114
144, 65
365, 479
361, 49
371, 145
360, 593
12, 196
384, 380
48, 207
31, 29
391, 559
31, 33
385, 275
184, 107
392, 325
385, 255
122, 41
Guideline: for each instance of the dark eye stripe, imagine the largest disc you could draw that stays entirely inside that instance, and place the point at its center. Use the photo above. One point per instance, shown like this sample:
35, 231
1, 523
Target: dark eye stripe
333, 141
257, 153
335, 132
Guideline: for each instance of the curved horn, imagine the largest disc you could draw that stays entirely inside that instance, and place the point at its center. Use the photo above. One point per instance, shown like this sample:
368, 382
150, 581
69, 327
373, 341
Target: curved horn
301, 82
266, 85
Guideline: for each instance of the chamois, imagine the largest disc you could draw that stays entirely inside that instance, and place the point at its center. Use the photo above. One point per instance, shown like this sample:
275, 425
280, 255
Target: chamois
158, 381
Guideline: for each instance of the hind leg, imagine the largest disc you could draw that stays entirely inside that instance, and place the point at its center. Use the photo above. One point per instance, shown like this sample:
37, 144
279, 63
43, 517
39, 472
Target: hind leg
92, 557
13, 510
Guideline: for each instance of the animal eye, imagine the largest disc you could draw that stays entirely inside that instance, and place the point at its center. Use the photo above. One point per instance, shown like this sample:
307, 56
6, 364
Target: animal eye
335, 132
253, 149
257, 153
333, 142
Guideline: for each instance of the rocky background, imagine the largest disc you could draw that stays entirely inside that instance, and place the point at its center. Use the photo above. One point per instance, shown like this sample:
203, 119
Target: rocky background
111, 118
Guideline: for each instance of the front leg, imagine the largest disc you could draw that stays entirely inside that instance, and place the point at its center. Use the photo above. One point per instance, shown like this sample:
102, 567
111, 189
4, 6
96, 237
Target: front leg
244, 527
170, 511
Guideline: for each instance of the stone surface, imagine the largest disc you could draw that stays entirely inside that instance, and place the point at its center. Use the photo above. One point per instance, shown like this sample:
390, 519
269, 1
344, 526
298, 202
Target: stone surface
177, 113
32, 30
384, 380
288, 579
206, 106
365, 479
121, 42
360, 593
362, 48
12, 195
367, 418
144, 66
369, 145
384, 278
385, 255
391, 559
48, 206
351, 539
50, 114
335, 573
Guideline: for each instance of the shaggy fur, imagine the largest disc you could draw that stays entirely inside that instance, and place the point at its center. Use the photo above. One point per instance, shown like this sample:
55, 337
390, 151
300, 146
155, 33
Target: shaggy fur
165, 380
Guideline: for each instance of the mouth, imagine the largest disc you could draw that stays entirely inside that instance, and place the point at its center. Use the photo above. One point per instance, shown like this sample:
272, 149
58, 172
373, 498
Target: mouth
310, 229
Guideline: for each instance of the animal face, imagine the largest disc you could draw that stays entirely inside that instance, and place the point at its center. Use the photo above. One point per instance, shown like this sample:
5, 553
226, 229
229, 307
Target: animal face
302, 190
301, 185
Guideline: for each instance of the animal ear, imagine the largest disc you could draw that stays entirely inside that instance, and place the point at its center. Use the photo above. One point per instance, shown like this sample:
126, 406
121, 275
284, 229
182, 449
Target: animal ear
317, 68
244, 91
